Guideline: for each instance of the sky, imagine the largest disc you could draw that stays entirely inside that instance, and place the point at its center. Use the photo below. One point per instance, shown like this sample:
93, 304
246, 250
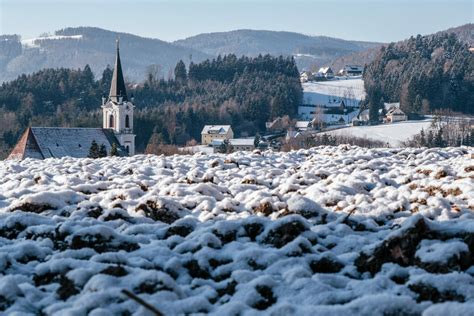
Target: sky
169, 20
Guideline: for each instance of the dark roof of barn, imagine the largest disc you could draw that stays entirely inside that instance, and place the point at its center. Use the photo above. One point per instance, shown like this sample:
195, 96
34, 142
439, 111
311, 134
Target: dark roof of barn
57, 142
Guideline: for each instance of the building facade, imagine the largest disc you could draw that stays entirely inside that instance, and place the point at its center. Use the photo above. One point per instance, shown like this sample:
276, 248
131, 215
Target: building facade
214, 132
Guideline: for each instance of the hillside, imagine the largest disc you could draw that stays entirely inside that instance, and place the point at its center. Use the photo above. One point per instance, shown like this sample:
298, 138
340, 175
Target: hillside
423, 73
244, 92
465, 33
76, 47
307, 50
327, 231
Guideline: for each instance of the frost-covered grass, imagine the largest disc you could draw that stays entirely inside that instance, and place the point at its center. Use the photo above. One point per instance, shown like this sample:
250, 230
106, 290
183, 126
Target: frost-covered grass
327, 231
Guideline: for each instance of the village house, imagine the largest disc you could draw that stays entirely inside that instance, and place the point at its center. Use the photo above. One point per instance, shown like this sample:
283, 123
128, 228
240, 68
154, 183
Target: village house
278, 125
362, 119
215, 132
306, 76
303, 126
57, 142
236, 144
395, 115
325, 72
351, 70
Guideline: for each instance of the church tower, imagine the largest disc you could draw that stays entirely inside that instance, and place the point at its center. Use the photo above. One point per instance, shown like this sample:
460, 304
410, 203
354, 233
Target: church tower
117, 109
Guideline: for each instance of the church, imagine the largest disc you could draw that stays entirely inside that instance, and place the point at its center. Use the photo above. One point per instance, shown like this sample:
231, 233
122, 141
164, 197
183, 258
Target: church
57, 142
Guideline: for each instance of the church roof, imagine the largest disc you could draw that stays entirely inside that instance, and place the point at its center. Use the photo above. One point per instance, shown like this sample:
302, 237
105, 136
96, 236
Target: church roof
57, 142
117, 87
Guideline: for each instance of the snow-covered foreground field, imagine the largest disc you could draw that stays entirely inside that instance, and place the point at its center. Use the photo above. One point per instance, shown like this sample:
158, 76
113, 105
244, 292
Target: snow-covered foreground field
327, 231
393, 134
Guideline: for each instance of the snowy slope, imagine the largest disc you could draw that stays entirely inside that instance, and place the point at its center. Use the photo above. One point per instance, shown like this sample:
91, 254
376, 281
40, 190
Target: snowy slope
33, 42
321, 93
327, 231
393, 134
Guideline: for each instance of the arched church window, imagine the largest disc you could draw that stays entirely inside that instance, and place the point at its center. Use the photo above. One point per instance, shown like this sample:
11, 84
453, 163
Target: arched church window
111, 121
127, 121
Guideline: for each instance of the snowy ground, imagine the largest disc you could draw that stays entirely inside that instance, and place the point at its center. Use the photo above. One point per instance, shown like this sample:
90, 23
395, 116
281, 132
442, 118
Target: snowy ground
392, 134
34, 42
350, 90
327, 231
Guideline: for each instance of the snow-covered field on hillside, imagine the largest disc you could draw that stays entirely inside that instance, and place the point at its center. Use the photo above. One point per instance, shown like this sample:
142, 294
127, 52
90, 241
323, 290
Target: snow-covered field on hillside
327, 231
393, 134
319, 93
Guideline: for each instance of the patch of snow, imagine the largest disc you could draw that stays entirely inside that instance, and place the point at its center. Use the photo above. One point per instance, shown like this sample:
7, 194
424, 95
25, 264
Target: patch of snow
36, 42
393, 134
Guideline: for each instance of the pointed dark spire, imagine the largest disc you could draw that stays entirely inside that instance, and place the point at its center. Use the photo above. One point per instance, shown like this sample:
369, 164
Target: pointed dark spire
117, 88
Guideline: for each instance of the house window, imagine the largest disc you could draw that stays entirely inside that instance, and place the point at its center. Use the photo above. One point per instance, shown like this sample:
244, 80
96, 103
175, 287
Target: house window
127, 121
111, 121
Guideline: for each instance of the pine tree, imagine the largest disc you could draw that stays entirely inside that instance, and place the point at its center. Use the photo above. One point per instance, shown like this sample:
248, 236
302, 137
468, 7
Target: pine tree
278, 106
325, 139
422, 138
102, 151
114, 150
417, 105
439, 141
429, 139
180, 72
256, 140
94, 150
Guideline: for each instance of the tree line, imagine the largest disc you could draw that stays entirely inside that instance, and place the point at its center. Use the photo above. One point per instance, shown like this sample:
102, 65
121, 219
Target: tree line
424, 74
244, 92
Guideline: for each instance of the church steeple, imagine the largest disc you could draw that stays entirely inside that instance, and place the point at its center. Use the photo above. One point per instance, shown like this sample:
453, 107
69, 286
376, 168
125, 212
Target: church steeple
118, 110
117, 87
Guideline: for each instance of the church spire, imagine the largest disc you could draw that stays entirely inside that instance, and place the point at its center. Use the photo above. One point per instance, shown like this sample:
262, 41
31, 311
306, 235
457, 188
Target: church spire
117, 88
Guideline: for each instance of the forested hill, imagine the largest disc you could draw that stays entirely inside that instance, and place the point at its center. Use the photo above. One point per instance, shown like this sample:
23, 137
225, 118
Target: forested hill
424, 73
307, 50
244, 92
76, 47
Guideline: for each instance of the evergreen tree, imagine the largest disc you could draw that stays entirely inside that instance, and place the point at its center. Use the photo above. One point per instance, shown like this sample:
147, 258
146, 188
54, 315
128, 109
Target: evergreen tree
429, 139
94, 150
471, 138
180, 74
417, 105
102, 151
422, 138
114, 150
256, 140
439, 141
325, 140
278, 106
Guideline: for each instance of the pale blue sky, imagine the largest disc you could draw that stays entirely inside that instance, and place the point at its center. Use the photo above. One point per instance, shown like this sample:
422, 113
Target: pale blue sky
371, 20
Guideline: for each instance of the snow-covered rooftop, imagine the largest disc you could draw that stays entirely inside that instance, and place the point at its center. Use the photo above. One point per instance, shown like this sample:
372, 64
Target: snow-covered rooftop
215, 129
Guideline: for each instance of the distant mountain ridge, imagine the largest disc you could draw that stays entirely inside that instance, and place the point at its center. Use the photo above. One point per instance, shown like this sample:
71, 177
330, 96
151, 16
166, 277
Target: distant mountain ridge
76, 47
306, 49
